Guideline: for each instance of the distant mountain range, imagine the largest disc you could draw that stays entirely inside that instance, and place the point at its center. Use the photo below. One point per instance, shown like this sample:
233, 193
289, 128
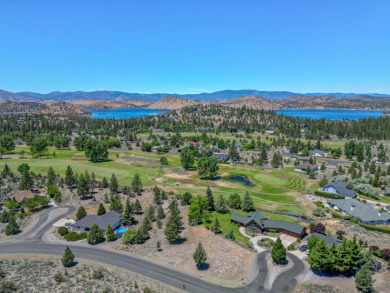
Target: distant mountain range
123, 96
77, 103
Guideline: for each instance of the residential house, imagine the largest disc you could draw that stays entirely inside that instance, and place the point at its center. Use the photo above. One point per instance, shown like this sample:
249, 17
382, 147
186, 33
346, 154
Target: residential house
22, 196
376, 160
305, 166
241, 131
317, 153
257, 222
364, 212
221, 157
339, 187
112, 217
328, 240
269, 132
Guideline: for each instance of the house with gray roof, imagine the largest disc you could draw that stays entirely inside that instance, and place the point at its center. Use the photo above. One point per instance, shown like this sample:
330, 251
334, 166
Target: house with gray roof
339, 187
221, 157
257, 222
364, 212
317, 153
328, 239
112, 217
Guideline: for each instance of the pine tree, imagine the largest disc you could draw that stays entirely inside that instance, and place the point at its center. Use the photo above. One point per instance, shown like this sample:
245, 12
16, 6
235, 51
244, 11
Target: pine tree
150, 213
6, 171
221, 205
199, 256
136, 184
128, 216
364, 281
343, 259
160, 213
210, 200
356, 254
26, 181
156, 196
69, 178
137, 206
95, 235
110, 236
51, 177
113, 184
81, 213
104, 182
68, 258
216, 227
158, 245
12, 227
116, 204
172, 229
101, 210
247, 203
82, 186
319, 258
4, 217
278, 252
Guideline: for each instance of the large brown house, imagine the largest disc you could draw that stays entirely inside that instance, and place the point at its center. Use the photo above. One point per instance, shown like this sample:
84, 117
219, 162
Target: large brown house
257, 222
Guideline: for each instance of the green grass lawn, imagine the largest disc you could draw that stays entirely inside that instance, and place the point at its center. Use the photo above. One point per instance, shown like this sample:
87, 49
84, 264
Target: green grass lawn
274, 186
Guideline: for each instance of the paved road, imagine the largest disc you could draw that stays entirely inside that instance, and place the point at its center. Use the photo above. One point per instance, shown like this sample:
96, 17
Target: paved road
32, 241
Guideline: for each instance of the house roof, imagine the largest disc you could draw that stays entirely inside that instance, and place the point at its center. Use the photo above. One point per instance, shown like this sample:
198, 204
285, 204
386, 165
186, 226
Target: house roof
328, 240
22, 196
341, 188
279, 224
316, 152
356, 209
112, 217
267, 224
222, 157
255, 216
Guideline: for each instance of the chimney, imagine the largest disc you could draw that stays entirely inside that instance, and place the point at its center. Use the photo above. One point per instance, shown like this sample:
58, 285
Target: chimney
261, 222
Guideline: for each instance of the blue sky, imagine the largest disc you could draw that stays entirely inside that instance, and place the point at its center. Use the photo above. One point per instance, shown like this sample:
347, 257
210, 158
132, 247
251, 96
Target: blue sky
195, 46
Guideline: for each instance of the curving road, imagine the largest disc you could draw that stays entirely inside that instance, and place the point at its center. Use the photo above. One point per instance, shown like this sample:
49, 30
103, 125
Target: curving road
32, 241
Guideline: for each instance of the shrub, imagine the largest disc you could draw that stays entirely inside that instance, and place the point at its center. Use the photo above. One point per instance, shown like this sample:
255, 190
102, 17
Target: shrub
329, 195
59, 278
97, 275
74, 236
385, 254
63, 231
319, 228
319, 212
291, 247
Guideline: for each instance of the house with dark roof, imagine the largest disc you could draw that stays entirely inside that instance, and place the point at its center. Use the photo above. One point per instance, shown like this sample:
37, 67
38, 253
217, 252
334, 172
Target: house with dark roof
112, 217
339, 187
257, 222
305, 166
364, 212
328, 239
221, 157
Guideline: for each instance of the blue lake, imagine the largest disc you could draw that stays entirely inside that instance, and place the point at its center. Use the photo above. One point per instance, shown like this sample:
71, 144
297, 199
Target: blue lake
126, 113
331, 114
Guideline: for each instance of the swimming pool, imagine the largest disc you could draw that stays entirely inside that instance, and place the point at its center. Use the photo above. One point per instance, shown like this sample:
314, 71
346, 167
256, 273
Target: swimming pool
122, 230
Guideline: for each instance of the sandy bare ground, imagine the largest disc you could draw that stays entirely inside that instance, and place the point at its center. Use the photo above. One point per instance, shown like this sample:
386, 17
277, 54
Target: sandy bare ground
35, 273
